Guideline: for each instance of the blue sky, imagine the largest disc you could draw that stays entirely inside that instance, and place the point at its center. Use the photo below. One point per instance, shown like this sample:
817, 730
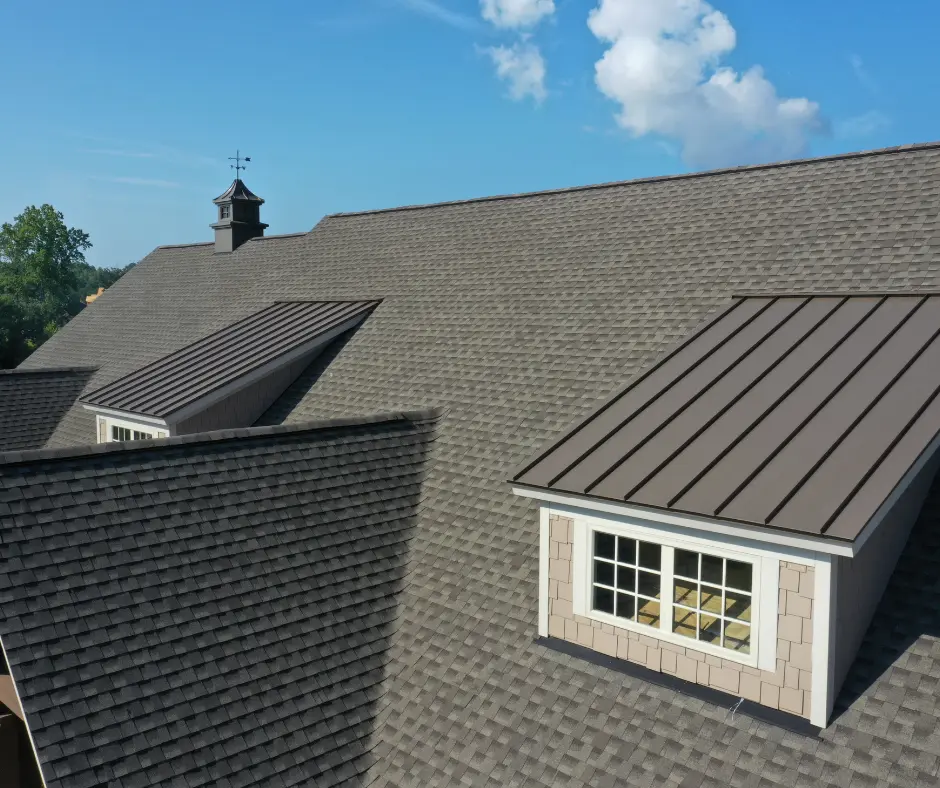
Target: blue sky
122, 114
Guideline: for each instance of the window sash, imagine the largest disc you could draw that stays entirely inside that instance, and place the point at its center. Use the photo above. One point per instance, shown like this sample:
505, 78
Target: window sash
667, 605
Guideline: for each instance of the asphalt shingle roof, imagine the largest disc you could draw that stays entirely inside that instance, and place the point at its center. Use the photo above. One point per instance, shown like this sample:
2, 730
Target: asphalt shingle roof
213, 611
33, 401
517, 315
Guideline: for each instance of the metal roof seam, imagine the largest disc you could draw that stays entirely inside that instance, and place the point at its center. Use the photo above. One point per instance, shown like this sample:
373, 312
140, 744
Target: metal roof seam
696, 396
115, 385
737, 398
188, 375
855, 422
766, 461
137, 381
605, 406
769, 409
881, 458
659, 393
219, 358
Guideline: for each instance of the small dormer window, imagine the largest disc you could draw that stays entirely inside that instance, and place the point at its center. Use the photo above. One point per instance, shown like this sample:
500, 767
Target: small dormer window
225, 211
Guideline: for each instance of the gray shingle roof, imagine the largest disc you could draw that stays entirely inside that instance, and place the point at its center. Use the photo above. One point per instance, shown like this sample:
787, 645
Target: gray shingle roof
236, 351
212, 611
802, 413
518, 315
32, 402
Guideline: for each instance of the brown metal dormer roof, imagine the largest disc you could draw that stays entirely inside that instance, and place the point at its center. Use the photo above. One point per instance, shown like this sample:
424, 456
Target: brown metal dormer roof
197, 370
801, 412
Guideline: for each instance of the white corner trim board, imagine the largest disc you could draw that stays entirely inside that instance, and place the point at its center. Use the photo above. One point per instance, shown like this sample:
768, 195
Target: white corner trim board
823, 655
799, 546
544, 536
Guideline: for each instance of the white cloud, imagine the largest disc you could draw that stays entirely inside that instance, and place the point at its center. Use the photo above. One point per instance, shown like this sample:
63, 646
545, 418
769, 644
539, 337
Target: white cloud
516, 13
435, 10
521, 65
863, 125
664, 68
861, 73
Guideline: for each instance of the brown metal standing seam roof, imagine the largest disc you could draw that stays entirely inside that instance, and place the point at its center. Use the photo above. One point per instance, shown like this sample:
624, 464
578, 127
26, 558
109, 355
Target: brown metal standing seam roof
799, 412
174, 381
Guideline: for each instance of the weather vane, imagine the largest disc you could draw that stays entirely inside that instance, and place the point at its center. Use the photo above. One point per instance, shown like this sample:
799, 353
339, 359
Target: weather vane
238, 159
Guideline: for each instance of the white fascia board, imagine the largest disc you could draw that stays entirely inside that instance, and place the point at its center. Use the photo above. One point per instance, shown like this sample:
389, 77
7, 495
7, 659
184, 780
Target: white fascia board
126, 415
318, 343
719, 530
29, 733
544, 535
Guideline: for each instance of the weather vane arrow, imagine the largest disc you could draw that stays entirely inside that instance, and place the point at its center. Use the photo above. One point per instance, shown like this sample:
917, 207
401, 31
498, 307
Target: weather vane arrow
238, 159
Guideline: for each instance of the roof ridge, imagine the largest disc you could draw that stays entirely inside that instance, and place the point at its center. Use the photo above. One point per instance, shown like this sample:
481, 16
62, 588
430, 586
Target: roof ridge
183, 246
43, 370
278, 236
216, 436
917, 146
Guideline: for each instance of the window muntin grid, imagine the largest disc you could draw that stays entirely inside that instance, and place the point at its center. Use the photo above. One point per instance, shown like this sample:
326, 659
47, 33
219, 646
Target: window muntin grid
626, 578
121, 434
713, 600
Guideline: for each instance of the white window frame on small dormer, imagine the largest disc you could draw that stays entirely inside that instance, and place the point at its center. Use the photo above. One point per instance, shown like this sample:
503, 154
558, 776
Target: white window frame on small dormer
765, 585
107, 424
583, 576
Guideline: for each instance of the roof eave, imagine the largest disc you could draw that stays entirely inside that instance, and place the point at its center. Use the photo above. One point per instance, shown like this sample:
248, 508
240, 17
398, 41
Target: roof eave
690, 521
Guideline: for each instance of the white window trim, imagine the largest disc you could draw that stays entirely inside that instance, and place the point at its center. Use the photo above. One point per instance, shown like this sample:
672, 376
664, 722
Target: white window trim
139, 426
764, 593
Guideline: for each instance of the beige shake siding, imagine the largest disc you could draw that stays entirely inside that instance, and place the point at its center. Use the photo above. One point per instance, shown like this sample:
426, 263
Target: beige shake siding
787, 688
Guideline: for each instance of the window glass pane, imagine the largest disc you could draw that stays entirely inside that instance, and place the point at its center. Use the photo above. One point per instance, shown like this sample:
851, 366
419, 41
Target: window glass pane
648, 612
603, 573
626, 605
686, 593
738, 605
739, 575
683, 622
738, 637
626, 550
626, 578
711, 599
686, 564
603, 600
650, 555
649, 584
711, 569
710, 629
603, 545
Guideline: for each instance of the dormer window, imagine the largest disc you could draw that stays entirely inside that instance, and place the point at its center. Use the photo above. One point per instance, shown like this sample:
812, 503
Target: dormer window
114, 430
225, 211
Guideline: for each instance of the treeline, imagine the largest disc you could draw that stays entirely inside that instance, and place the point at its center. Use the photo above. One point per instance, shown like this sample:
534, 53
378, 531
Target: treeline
43, 280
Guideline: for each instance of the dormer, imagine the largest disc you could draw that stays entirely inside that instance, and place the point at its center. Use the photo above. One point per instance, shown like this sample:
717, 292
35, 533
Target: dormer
226, 380
728, 521
239, 217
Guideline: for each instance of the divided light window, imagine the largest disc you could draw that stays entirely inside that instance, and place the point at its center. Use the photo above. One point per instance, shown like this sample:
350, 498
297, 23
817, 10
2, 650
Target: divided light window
708, 598
126, 434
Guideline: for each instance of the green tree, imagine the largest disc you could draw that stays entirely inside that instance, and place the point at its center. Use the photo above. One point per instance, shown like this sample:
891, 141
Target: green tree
40, 263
